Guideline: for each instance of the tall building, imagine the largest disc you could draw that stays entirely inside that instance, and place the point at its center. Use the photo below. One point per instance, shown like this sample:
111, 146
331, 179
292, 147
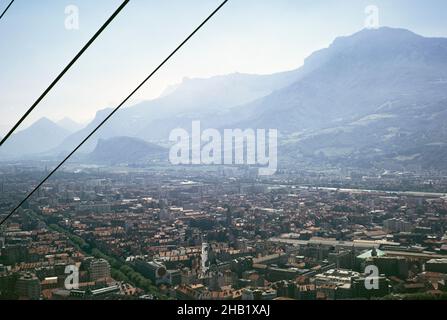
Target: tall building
164, 210
205, 258
436, 265
390, 266
360, 290
98, 269
28, 286
15, 253
156, 271
397, 225
336, 283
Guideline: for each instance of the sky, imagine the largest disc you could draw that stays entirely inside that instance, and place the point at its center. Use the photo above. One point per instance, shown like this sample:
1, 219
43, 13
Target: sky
247, 36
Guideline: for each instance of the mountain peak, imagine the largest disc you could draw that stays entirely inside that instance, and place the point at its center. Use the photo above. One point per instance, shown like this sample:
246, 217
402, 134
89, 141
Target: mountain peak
43, 124
393, 46
124, 150
44, 121
379, 36
386, 31
41, 136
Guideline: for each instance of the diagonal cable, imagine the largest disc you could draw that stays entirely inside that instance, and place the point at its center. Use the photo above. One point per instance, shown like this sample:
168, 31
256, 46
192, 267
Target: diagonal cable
72, 62
4, 11
115, 110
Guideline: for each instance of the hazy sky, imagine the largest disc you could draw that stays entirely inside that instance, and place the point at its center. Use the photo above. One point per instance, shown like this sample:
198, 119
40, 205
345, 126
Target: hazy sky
250, 36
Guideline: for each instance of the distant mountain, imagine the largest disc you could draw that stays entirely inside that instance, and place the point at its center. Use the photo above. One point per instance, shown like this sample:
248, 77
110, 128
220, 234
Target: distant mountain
193, 99
41, 136
353, 78
69, 125
120, 150
376, 97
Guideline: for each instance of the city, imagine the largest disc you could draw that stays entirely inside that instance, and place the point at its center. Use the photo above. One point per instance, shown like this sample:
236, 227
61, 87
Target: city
221, 234
222, 158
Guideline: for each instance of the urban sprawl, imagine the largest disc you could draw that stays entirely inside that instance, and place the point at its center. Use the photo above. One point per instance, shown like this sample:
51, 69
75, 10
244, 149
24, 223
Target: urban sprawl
222, 234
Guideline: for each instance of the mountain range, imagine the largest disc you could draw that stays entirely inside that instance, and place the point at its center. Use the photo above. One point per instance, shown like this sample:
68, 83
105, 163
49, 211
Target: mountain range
131, 150
42, 135
375, 98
